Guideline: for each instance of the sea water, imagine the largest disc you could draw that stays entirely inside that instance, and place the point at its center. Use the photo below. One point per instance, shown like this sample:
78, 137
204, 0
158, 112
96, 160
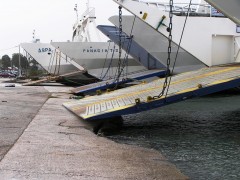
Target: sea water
200, 136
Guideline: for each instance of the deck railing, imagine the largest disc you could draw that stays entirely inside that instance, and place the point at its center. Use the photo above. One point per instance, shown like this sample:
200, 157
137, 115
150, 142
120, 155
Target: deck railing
182, 8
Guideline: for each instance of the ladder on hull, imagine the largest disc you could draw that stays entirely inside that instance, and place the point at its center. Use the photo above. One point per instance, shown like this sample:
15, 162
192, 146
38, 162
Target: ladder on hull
137, 98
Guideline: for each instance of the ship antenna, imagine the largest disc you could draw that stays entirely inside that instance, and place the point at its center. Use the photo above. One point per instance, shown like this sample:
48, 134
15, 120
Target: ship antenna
87, 5
33, 35
76, 9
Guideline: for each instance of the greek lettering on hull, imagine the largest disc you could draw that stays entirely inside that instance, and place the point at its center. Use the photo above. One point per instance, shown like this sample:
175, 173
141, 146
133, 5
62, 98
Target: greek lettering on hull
42, 50
92, 50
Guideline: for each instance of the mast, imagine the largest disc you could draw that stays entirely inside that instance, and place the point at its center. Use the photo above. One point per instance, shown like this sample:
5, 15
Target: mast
76, 9
19, 62
33, 38
88, 5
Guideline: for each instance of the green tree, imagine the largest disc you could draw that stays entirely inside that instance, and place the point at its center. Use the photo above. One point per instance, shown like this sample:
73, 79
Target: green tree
6, 61
0, 63
23, 61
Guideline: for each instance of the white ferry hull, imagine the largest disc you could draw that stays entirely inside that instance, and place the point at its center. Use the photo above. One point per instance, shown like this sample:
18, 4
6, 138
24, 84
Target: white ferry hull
96, 57
43, 53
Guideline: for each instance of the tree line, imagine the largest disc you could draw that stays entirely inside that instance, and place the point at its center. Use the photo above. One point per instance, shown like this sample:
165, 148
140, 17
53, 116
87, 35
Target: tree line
6, 61
29, 66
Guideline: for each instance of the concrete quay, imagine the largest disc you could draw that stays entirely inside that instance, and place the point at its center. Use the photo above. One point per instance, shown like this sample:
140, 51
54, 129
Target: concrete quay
40, 139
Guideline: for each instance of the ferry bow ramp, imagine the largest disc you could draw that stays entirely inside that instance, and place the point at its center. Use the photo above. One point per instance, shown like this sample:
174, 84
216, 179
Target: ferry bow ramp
139, 98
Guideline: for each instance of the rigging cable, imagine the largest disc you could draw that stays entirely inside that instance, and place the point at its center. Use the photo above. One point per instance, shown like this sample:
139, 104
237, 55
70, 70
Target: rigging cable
169, 29
100, 77
175, 60
49, 65
9, 48
110, 63
55, 67
119, 46
59, 62
125, 62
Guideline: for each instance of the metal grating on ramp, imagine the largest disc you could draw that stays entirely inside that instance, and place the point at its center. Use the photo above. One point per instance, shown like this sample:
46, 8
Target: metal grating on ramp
183, 86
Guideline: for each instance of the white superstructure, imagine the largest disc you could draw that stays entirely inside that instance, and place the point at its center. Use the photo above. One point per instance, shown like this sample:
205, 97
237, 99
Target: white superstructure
95, 56
212, 40
84, 29
87, 52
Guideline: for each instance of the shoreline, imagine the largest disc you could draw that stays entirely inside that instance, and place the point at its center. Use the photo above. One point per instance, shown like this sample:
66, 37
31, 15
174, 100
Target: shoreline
57, 145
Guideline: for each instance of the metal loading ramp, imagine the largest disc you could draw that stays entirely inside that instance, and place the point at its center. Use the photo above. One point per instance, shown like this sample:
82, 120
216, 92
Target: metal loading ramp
183, 86
44, 80
103, 85
129, 44
51, 78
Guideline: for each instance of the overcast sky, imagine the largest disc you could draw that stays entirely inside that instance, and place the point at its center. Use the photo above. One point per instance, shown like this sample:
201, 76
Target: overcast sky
51, 19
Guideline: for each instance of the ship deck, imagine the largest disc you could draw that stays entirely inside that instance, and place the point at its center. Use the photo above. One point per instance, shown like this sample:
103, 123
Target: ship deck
183, 86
